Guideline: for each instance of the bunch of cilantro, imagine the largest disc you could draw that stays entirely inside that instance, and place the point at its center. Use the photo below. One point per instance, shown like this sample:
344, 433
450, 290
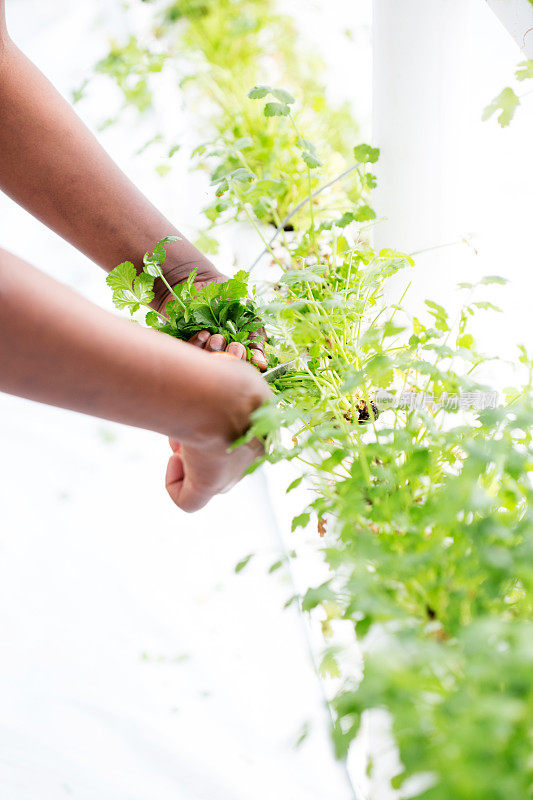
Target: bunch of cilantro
224, 308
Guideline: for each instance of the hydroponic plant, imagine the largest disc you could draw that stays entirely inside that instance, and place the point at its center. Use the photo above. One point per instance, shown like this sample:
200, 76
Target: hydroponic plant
422, 514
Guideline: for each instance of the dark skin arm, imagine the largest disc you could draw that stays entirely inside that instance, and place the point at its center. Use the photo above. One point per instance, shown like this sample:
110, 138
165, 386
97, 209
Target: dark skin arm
57, 348
53, 166
64, 351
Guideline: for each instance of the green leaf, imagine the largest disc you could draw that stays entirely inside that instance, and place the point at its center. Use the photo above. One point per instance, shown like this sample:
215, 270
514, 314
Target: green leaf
488, 279
152, 320
525, 70
311, 160
151, 267
329, 667
130, 290
242, 175
283, 96
316, 595
243, 563
466, 340
506, 104
152, 262
296, 482
222, 187
258, 92
310, 274
484, 305
263, 206
352, 380
366, 154
436, 307
122, 276
364, 214
143, 287
276, 110
345, 220
300, 521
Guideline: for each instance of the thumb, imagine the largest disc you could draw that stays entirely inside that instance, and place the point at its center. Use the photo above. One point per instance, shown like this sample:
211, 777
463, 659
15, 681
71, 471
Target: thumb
181, 489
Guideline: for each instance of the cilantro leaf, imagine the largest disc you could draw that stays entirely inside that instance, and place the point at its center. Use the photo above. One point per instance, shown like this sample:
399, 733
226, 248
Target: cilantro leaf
366, 154
276, 110
311, 160
130, 290
122, 277
258, 92
143, 288
283, 96
242, 175
506, 104
364, 214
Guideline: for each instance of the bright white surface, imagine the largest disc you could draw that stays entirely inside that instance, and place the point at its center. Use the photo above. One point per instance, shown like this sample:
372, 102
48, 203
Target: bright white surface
96, 569
445, 174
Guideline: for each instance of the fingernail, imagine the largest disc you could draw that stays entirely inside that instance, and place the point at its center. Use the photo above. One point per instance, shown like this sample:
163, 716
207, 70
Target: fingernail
258, 346
236, 349
259, 360
202, 336
217, 342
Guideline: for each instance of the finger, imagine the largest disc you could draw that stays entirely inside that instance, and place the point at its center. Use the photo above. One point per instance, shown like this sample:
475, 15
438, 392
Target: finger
174, 444
175, 476
237, 349
190, 498
216, 342
257, 339
258, 359
183, 492
199, 339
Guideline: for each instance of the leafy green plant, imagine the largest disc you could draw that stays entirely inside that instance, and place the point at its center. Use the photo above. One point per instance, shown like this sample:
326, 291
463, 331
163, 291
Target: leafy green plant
214, 51
218, 307
422, 515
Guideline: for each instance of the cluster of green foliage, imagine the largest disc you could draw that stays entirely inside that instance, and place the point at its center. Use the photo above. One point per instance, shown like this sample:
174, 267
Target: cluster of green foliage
426, 511
423, 514
222, 308
215, 50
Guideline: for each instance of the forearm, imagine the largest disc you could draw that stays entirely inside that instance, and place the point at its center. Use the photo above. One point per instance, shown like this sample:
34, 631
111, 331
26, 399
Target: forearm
57, 348
52, 165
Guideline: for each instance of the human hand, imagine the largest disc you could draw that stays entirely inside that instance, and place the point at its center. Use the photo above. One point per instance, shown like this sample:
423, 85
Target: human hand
216, 342
199, 469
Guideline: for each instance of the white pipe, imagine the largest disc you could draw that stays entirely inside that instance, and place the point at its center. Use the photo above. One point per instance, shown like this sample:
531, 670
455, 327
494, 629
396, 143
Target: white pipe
517, 17
413, 72
425, 120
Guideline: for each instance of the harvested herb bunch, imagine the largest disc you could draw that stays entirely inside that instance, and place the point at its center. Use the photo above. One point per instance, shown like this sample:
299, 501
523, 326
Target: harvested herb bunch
224, 308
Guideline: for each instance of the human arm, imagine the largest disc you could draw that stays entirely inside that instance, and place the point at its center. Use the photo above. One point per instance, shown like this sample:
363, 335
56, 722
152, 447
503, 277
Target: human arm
57, 348
53, 166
